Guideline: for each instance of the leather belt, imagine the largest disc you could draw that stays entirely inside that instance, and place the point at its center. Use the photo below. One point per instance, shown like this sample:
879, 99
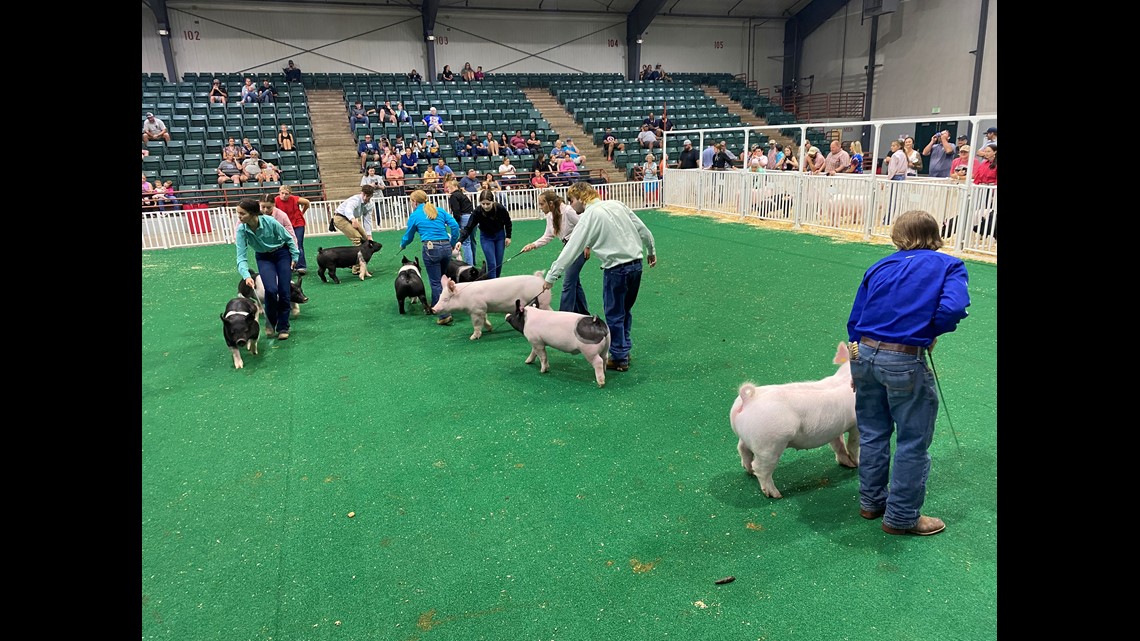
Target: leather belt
891, 347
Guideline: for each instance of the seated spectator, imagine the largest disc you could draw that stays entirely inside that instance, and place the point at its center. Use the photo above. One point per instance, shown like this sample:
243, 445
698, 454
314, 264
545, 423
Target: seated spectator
218, 93
266, 94
250, 168
430, 146
479, 75
533, 144
468, 74
447, 75
507, 171
247, 148
267, 174
491, 145
414, 76
399, 146
647, 139
154, 129
164, 196
370, 177
408, 162
610, 144
229, 171
644, 73
389, 156
292, 72
394, 176
567, 166
661, 75
234, 149
490, 184
463, 147
442, 170
285, 140
147, 193
651, 121
505, 147
538, 181
571, 150
357, 115
663, 125
469, 183
387, 113
654, 74
368, 149
249, 91
145, 151
542, 163
518, 143
430, 180
478, 148
401, 113
434, 122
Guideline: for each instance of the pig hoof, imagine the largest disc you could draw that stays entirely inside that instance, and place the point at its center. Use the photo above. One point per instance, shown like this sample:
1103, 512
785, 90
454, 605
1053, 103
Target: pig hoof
474, 337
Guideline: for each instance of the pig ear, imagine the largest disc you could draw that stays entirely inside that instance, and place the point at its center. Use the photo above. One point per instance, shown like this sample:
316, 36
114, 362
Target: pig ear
842, 355
448, 283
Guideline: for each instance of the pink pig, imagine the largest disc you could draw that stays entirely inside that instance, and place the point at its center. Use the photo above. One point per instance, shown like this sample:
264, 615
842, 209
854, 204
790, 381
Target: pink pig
772, 418
495, 295
564, 331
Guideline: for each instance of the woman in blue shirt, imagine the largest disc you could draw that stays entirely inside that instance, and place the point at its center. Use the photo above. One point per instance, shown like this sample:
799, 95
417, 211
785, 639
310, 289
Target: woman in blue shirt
438, 230
276, 254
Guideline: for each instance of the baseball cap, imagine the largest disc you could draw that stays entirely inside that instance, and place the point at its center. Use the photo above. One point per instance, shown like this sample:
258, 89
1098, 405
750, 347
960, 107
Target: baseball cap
149, 115
965, 148
963, 137
991, 130
687, 142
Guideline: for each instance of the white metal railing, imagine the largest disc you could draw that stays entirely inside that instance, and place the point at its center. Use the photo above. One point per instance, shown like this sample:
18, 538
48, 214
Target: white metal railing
862, 204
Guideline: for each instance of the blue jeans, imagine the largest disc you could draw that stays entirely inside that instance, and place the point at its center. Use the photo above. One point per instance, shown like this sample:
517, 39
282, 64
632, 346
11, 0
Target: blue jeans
276, 275
469, 242
436, 261
620, 285
894, 392
573, 296
493, 247
300, 232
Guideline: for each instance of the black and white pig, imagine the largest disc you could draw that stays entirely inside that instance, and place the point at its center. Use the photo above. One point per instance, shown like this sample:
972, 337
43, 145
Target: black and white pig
564, 331
329, 259
296, 294
240, 327
410, 285
461, 272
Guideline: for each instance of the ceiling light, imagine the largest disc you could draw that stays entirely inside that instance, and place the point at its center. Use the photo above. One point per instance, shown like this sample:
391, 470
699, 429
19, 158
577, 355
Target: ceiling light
164, 32
431, 38
639, 41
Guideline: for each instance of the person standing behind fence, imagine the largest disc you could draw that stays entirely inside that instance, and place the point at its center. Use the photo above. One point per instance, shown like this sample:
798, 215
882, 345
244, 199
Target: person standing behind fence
837, 160
276, 255
438, 231
941, 152
896, 162
856, 157
295, 208
613, 232
494, 223
560, 222
904, 303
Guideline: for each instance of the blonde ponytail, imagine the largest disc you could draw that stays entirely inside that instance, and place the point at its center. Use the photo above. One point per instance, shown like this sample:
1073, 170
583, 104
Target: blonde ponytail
420, 196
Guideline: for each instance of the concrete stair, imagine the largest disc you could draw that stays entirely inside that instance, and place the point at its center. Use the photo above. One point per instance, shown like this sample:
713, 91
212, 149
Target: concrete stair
334, 144
746, 117
594, 157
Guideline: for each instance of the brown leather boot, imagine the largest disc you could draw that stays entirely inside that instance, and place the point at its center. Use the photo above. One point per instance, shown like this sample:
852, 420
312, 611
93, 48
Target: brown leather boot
925, 526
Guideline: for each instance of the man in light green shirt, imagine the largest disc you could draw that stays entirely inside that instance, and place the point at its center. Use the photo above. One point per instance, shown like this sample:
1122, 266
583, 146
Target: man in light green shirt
619, 238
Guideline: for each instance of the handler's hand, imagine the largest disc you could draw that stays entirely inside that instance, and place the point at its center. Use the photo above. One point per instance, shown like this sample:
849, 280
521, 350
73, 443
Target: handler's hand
546, 285
527, 247
249, 282
587, 253
652, 260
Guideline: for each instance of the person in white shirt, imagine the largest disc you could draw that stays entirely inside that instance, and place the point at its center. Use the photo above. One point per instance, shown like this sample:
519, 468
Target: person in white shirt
560, 221
353, 218
507, 172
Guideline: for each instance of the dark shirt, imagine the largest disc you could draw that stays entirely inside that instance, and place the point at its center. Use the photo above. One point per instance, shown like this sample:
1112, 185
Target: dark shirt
459, 203
415, 77
721, 161
292, 75
263, 90
490, 223
546, 166
368, 146
690, 158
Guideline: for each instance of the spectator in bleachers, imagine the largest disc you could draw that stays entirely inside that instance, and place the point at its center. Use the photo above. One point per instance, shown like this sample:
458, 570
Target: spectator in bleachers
468, 74
533, 144
462, 147
490, 144
518, 143
229, 171
247, 148
663, 125
414, 76
399, 146
942, 153
652, 122
490, 184
266, 94
357, 115
610, 144
430, 146
145, 151
479, 75
689, 159
154, 129
164, 196
416, 147
856, 157
896, 162
837, 160
434, 122
387, 113
538, 181
218, 93
507, 172
147, 193
644, 74
542, 163
470, 182
662, 75
571, 150
370, 177
250, 168
566, 166
991, 139
268, 173
395, 176
505, 147
653, 74
913, 158
443, 169
401, 113
292, 72
408, 162
249, 91
447, 75
647, 139
233, 149
388, 156
285, 140
429, 179
368, 149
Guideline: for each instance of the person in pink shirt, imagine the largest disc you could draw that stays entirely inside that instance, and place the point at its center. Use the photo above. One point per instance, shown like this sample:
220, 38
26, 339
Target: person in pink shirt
519, 143
539, 181
960, 164
567, 166
395, 175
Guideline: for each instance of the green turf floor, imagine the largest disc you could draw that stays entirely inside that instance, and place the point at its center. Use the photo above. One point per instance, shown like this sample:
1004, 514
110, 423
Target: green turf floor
493, 502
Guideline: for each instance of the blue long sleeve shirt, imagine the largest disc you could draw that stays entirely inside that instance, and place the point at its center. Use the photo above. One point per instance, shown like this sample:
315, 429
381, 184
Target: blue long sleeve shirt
910, 297
443, 227
270, 236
